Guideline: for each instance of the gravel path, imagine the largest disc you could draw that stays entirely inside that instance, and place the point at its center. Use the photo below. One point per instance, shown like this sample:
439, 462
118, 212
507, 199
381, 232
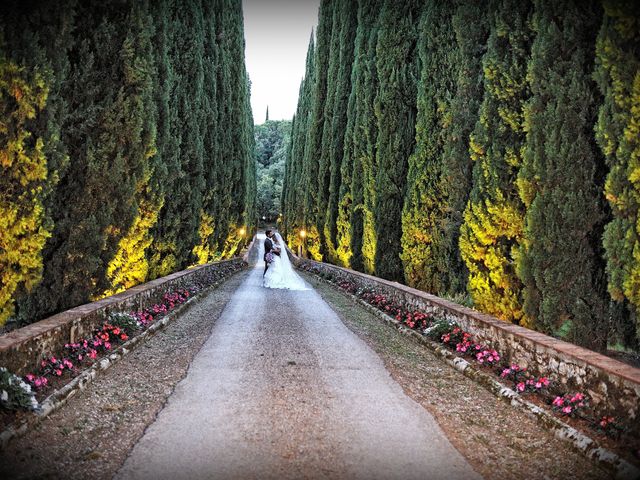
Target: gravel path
257, 383
282, 389
498, 440
91, 436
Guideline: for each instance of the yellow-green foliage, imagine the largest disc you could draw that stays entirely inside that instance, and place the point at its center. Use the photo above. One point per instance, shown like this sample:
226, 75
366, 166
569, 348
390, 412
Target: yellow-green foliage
23, 170
130, 265
493, 229
343, 226
312, 244
234, 241
203, 250
618, 133
368, 242
489, 244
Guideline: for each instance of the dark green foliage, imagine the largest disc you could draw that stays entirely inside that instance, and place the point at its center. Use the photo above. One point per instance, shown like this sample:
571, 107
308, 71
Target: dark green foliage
395, 112
426, 211
618, 134
339, 183
294, 194
561, 178
315, 172
468, 165
147, 134
361, 137
471, 26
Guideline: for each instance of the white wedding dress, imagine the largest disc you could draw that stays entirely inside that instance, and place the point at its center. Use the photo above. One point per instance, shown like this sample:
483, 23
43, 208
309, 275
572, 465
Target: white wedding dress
280, 273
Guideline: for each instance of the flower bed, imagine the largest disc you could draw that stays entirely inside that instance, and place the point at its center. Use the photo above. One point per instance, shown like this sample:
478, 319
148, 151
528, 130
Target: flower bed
573, 406
60, 366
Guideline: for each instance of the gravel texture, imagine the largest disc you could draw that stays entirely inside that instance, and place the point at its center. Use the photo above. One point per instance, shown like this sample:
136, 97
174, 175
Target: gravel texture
91, 436
282, 389
498, 440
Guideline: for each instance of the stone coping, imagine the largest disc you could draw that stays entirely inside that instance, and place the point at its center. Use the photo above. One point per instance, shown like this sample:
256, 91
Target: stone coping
22, 349
613, 385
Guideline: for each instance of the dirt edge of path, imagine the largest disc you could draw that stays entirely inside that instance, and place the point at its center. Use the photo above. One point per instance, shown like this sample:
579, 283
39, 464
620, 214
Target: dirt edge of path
498, 440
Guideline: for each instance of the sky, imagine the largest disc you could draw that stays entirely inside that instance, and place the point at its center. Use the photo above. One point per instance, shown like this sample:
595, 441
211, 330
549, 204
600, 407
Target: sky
276, 36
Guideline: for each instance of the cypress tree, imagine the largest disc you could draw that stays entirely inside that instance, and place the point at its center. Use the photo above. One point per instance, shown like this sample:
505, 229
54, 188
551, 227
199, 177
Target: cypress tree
107, 162
426, 210
294, 193
239, 153
361, 140
325, 160
340, 182
618, 134
471, 27
492, 233
162, 252
38, 37
561, 173
313, 150
396, 115
129, 266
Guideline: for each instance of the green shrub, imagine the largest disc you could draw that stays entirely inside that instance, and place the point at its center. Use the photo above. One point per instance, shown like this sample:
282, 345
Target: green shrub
15, 394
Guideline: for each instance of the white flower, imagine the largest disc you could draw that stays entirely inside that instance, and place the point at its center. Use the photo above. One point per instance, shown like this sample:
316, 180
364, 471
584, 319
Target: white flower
4, 396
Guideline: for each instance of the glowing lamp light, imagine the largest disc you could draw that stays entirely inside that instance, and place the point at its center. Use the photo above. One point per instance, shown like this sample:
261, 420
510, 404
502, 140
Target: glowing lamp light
303, 233
242, 231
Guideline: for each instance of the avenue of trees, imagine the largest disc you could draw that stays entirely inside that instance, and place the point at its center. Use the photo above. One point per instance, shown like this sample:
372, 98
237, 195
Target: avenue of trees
482, 148
126, 146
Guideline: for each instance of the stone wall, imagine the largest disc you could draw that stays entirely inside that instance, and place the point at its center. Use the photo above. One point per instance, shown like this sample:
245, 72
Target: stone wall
613, 386
21, 350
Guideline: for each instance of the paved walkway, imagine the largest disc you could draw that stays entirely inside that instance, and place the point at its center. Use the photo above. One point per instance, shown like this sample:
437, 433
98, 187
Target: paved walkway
282, 389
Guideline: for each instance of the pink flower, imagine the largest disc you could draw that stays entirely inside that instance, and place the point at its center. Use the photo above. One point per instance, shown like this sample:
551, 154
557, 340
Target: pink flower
58, 372
107, 345
558, 401
505, 372
520, 387
29, 377
566, 410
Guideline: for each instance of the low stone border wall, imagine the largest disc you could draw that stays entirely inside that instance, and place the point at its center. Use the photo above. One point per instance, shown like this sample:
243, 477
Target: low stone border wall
22, 350
614, 387
59, 398
620, 467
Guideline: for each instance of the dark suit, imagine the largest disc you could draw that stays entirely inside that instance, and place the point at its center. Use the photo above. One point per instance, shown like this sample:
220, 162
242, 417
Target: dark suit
268, 246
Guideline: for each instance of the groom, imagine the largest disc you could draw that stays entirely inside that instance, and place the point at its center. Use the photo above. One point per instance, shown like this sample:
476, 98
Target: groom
268, 246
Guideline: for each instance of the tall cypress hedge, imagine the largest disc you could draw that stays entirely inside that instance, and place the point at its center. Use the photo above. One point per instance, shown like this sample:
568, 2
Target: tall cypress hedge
114, 106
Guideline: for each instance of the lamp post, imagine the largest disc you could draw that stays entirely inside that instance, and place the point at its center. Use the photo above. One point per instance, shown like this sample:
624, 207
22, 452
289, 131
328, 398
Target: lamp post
303, 235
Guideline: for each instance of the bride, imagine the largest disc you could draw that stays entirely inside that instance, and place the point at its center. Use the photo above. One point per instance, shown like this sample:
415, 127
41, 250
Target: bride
280, 273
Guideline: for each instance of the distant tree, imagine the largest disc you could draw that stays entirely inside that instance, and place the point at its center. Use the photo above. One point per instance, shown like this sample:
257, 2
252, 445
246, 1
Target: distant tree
272, 144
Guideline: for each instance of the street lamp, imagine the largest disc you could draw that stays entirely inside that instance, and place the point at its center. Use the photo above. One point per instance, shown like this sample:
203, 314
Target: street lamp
242, 232
303, 235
